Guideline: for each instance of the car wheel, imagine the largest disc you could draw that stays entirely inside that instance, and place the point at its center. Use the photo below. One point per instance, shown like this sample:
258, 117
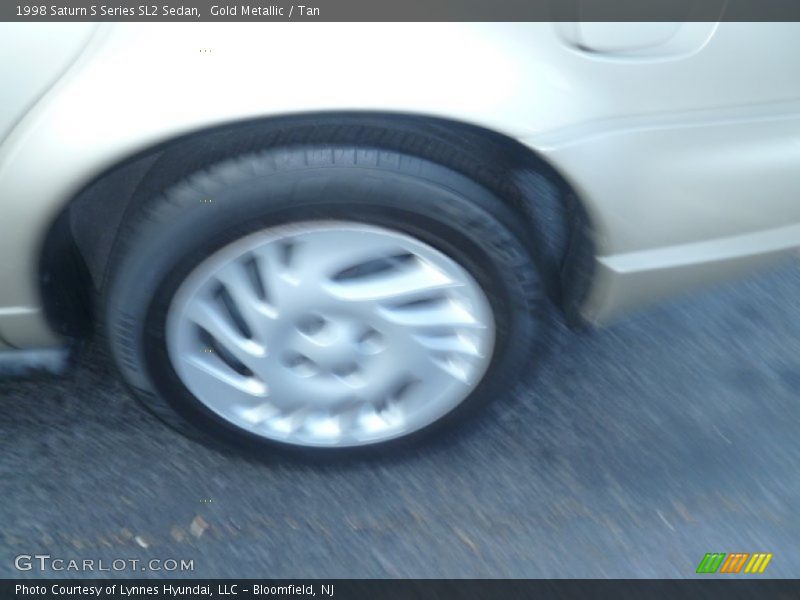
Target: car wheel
323, 298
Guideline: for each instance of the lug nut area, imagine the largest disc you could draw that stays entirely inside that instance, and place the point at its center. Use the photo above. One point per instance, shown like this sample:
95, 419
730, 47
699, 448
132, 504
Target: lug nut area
322, 331
344, 370
301, 365
347, 371
371, 342
311, 325
339, 349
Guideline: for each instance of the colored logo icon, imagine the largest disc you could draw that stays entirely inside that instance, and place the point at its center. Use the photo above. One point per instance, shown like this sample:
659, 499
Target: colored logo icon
719, 562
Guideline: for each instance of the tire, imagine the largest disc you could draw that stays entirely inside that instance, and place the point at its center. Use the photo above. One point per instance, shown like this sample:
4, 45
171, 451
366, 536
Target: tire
169, 239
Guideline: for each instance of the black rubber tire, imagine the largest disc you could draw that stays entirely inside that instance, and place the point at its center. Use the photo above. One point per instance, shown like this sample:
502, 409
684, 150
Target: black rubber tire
165, 238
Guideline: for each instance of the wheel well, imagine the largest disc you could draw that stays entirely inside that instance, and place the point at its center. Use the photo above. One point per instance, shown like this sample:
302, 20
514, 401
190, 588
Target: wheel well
80, 242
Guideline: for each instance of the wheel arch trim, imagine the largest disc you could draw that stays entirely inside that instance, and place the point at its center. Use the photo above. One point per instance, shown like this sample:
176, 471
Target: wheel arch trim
514, 171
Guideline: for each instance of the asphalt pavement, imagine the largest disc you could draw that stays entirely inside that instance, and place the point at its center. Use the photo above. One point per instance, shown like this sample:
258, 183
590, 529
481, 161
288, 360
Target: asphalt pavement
636, 450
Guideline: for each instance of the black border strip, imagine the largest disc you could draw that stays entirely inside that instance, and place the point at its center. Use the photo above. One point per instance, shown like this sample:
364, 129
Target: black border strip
403, 10
354, 589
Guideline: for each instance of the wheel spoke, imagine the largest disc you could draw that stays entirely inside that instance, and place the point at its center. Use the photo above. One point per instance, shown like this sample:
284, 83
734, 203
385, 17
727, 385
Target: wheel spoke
221, 380
210, 318
279, 281
448, 313
415, 281
328, 254
454, 343
253, 310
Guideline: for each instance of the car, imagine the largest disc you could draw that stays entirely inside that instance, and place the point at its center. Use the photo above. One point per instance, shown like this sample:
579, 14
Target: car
327, 238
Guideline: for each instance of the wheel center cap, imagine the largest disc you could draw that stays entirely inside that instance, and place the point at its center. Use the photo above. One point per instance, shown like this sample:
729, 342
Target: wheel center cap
326, 345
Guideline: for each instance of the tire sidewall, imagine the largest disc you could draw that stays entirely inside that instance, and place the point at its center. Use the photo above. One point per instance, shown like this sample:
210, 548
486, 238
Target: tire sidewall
204, 214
